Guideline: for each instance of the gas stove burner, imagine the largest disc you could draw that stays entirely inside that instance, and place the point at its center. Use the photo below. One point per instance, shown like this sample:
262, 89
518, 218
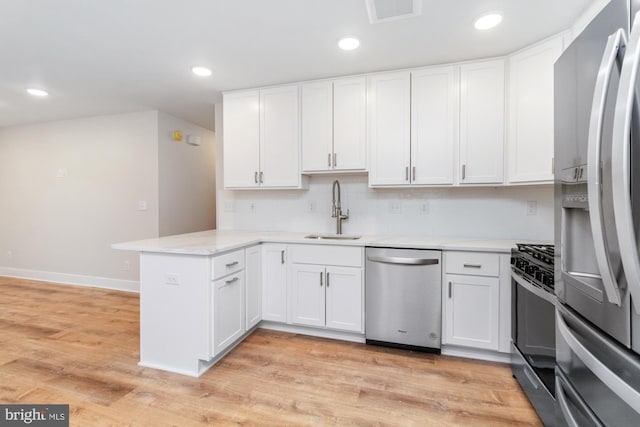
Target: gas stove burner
534, 262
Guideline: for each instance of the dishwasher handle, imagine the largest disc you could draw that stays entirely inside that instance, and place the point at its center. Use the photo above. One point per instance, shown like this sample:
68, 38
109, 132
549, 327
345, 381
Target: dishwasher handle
402, 260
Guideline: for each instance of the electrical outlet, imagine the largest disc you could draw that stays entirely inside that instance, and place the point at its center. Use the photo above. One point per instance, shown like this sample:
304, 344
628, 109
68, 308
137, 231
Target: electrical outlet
311, 206
229, 206
253, 207
9, 254
126, 266
424, 208
61, 172
172, 279
532, 208
395, 207
142, 205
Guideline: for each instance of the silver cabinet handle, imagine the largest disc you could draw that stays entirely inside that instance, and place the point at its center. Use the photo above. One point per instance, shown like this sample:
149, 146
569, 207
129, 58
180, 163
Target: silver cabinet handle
282, 256
329, 160
414, 174
228, 282
405, 261
472, 265
615, 42
261, 177
335, 159
553, 165
449, 289
464, 171
328, 279
621, 168
406, 173
255, 177
321, 273
231, 264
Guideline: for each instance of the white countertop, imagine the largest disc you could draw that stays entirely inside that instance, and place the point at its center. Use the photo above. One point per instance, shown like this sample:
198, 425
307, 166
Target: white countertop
212, 242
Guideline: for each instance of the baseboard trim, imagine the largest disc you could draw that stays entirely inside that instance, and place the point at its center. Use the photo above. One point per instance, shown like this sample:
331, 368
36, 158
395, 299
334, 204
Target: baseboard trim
315, 332
72, 279
473, 353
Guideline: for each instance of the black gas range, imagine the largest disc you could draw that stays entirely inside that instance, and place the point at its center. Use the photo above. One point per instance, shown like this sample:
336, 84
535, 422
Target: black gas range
533, 326
534, 262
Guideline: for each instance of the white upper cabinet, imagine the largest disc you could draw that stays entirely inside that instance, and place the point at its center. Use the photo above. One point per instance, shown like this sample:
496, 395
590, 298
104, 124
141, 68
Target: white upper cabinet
262, 125
350, 124
334, 125
530, 124
482, 122
434, 124
388, 118
241, 122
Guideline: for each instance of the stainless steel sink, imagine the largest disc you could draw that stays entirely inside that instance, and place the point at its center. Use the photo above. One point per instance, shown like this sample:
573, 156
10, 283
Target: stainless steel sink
332, 237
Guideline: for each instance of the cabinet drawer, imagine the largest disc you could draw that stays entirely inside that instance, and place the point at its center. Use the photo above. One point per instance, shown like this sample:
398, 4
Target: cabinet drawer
472, 263
343, 256
227, 263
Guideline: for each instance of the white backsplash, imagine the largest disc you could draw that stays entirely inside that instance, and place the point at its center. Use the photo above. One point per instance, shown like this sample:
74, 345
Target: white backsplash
480, 212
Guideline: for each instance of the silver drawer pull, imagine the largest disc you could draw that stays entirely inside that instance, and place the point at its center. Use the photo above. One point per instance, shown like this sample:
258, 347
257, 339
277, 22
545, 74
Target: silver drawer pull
472, 265
231, 264
228, 282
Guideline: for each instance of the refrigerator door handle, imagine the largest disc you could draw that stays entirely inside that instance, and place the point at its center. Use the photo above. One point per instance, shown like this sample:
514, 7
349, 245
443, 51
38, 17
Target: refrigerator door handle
565, 392
620, 164
623, 390
615, 43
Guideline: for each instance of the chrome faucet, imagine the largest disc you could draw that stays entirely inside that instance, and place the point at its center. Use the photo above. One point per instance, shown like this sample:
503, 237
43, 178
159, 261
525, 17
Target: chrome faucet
336, 208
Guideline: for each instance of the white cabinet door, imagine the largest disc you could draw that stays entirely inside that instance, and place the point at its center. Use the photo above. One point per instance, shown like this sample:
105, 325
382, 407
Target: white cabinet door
434, 124
241, 152
307, 292
280, 137
253, 286
482, 122
344, 298
472, 311
274, 282
388, 119
349, 124
228, 311
317, 126
530, 142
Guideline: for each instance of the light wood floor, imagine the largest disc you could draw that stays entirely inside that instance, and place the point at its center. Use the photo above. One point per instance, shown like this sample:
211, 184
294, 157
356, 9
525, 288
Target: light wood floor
76, 345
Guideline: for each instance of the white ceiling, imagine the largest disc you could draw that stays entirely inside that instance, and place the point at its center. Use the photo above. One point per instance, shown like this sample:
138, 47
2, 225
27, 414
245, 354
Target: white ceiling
111, 56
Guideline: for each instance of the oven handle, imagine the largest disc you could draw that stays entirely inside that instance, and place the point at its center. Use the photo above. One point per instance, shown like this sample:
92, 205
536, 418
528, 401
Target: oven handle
615, 43
564, 392
548, 297
623, 390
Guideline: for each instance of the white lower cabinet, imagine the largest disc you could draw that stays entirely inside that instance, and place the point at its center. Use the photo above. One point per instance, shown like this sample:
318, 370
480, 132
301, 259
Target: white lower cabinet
274, 282
476, 300
228, 311
324, 295
471, 311
253, 286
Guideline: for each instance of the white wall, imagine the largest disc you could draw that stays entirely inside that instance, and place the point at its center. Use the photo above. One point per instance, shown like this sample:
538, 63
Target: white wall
492, 212
70, 189
187, 182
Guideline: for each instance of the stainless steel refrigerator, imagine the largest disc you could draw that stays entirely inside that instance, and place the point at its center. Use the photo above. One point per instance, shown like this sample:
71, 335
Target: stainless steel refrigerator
597, 222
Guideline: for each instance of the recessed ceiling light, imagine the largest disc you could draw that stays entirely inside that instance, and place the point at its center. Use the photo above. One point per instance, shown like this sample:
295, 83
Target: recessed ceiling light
487, 21
201, 71
348, 43
38, 92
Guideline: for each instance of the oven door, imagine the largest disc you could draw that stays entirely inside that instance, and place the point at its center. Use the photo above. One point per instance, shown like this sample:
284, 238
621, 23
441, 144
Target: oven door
534, 328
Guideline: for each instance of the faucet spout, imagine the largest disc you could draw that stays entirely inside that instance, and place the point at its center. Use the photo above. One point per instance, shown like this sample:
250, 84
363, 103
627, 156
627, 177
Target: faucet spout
336, 207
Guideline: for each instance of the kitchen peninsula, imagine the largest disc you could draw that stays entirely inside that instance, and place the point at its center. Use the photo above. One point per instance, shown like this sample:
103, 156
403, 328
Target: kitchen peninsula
203, 293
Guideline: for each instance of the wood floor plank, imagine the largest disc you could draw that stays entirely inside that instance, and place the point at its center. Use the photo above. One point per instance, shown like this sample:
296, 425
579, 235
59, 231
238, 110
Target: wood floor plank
78, 345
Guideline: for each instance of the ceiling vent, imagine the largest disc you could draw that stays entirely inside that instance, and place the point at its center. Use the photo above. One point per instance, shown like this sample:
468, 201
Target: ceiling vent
391, 10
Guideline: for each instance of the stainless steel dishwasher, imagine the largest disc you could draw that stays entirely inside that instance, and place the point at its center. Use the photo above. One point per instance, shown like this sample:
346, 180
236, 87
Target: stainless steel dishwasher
403, 304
